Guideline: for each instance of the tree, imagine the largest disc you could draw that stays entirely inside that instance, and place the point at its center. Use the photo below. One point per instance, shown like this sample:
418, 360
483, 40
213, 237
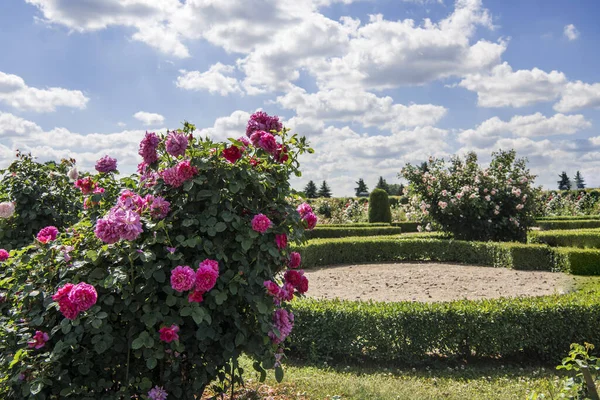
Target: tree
565, 182
395, 189
383, 185
310, 190
362, 188
579, 182
324, 190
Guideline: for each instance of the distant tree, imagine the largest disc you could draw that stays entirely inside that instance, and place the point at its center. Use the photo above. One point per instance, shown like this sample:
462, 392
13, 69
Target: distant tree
565, 182
324, 190
383, 185
362, 188
579, 182
395, 189
310, 190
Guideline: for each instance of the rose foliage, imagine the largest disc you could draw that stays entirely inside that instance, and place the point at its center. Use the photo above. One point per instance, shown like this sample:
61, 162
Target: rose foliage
475, 203
161, 290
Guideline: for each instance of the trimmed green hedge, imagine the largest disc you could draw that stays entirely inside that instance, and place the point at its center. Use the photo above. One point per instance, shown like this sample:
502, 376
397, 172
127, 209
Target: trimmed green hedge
431, 247
339, 232
568, 224
568, 218
407, 226
540, 328
353, 225
585, 238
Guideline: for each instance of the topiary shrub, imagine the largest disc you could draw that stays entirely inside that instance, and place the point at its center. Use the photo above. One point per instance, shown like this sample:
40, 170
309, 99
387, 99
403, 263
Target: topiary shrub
379, 206
473, 203
165, 290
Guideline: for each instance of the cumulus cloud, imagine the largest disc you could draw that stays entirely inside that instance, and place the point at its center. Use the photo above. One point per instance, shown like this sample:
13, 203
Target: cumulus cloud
570, 32
503, 87
532, 125
215, 80
578, 95
15, 93
149, 119
359, 106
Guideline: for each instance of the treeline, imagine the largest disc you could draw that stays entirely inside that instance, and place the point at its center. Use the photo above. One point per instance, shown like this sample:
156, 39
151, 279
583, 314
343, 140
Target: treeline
361, 190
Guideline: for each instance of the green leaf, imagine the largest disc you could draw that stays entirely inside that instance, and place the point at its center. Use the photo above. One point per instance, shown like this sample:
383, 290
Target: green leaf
16, 358
137, 343
247, 244
159, 276
220, 226
262, 308
171, 300
92, 255
151, 363
186, 311
278, 374
36, 387
100, 347
97, 323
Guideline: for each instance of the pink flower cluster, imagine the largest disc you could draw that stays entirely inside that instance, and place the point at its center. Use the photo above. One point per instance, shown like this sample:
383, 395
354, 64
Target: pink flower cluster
184, 278
176, 144
295, 282
86, 185
73, 299
261, 121
157, 393
281, 241
232, 154
106, 164
294, 260
4, 255
179, 174
169, 334
306, 213
38, 340
148, 147
47, 234
261, 223
283, 321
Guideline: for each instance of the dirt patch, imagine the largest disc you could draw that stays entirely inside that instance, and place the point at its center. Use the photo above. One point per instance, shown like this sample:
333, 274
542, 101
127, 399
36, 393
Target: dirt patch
431, 282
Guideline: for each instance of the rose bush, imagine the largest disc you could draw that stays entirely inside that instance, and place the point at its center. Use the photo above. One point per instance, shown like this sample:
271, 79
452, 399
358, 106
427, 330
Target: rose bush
160, 291
34, 195
475, 203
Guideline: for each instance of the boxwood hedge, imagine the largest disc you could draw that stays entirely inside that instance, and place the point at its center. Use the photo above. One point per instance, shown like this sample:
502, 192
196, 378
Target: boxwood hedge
337, 232
584, 238
547, 225
568, 217
433, 247
540, 328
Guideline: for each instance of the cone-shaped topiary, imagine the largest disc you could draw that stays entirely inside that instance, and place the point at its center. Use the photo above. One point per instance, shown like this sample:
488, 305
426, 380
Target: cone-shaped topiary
379, 206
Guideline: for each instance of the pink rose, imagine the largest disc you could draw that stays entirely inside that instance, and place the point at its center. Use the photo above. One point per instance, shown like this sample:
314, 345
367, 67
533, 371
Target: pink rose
261, 223
169, 334
47, 234
183, 278
38, 340
295, 260
206, 276
281, 241
4, 255
311, 220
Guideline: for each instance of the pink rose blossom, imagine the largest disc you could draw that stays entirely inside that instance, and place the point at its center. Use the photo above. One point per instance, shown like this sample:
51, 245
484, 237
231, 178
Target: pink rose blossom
196, 297
261, 121
293, 276
47, 234
281, 241
232, 154
4, 255
148, 147
176, 144
169, 334
157, 393
304, 209
38, 340
7, 209
261, 223
268, 143
295, 260
283, 321
83, 296
206, 276
311, 220
183, 278
272, 288
86, 185
106, 164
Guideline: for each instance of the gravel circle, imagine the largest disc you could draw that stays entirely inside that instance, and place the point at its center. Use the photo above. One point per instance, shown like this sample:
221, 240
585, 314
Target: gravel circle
431, 282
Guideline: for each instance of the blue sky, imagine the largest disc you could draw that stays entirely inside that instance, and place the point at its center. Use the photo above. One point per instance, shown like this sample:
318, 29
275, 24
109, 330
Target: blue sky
373, 83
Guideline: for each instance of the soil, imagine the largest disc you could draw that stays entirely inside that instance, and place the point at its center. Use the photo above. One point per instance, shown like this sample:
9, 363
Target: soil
431, 282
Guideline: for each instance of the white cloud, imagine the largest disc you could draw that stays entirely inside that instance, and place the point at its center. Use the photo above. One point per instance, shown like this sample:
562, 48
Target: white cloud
359, 106
149, 119
578, 95
503, 87
231, 126
532, 125
15, 93
571, 32
121, 124
214, 80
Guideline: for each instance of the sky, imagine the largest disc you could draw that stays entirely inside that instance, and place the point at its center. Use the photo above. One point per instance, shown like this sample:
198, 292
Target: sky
373, 84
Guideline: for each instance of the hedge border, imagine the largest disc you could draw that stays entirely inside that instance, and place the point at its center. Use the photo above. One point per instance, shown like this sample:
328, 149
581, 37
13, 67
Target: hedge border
568, 224
352, 250
582, 238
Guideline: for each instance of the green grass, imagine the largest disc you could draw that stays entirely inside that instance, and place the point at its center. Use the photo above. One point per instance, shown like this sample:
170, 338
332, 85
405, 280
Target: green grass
461, 382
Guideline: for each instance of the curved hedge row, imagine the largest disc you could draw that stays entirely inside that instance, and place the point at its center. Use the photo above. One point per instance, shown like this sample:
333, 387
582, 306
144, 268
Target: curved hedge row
539, 328
338, 232
568, 218
429, 247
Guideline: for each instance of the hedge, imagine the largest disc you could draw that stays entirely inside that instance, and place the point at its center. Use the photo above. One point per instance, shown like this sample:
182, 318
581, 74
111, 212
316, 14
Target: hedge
324, 252
567, 238
568, 218
339, 232
353, 225
568, 224
538, 328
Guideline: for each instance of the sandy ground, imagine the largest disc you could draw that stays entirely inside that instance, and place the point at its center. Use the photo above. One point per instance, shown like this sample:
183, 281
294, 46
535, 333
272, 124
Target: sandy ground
430, 282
